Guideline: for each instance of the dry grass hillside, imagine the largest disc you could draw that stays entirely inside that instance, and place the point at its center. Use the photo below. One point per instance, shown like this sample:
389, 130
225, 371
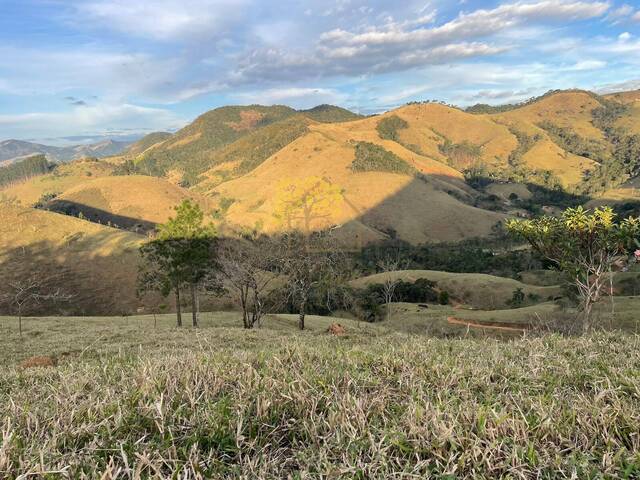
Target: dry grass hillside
64, 177
571, 109
96, 263
476, 290
371, 204
134, 198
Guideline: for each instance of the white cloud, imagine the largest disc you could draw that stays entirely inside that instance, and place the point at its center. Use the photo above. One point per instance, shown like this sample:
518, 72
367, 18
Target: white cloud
87, 120
164, 19
585, 65
400, 45
298, 97
28, 71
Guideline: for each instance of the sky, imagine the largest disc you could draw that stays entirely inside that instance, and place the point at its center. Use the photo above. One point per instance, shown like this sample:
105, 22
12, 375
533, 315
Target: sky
78, 70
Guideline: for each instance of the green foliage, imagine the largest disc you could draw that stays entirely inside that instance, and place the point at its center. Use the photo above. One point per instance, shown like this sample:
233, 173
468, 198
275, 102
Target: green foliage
44, 200
525, 143
570, 141
253, 149
443, 297
330, 114
624, 162
146, 142
388, 127
24, 169
128, 167
469, 256
182, 252
582, 244
373, 158
517, 299
192, 148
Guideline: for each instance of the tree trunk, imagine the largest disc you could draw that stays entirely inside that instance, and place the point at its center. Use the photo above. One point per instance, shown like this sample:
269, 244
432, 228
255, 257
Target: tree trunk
302, 312
178, 308
20, 324
155, 321
195, 305
244, 293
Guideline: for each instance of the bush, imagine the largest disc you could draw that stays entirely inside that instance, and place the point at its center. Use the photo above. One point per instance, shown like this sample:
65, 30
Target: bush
443, 298
373, 158
388, 127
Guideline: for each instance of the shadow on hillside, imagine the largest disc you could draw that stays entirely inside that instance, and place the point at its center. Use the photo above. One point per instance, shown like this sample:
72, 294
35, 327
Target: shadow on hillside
101, 283
102, 273
103, 217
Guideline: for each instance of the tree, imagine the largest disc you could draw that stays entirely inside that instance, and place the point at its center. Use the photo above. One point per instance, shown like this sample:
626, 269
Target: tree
584, 245
389, 282
28, 293
247, 265
307, 261
302, 201
181, 254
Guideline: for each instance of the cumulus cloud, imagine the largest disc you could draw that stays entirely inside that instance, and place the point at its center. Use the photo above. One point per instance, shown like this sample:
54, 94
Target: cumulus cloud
401, 45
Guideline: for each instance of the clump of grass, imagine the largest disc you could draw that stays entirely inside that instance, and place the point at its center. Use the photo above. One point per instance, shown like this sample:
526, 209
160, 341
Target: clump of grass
243, 404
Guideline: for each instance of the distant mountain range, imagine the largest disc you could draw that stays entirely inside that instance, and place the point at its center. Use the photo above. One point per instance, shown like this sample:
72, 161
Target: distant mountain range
12, 150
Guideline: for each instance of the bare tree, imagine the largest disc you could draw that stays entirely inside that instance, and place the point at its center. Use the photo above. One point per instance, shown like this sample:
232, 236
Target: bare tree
26, 294
247, 267
307, 261
389, 283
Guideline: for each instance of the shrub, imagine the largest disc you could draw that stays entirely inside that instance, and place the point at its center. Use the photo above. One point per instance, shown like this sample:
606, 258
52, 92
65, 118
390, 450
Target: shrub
373, 158
388, 127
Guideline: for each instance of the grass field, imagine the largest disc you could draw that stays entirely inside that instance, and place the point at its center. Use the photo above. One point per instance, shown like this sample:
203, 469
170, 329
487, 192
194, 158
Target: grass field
128, 400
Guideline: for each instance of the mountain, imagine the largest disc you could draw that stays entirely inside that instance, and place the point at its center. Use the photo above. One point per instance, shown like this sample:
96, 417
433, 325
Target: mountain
11, 150
196, 148
421, 173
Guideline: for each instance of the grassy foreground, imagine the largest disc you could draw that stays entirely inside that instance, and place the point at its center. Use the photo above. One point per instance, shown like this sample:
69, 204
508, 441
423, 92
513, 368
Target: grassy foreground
274, 403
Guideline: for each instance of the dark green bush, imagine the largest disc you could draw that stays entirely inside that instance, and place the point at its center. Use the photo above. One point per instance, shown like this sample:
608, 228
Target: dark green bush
373, 158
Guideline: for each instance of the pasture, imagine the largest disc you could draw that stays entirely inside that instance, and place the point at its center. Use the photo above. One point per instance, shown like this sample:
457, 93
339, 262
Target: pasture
130, 398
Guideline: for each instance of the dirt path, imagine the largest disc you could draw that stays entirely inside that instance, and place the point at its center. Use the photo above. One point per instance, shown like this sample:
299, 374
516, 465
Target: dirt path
469, 323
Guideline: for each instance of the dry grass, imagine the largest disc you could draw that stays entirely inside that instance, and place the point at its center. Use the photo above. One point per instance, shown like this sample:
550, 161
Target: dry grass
476, 290
138, 197
65, 177
96, 262
222, 402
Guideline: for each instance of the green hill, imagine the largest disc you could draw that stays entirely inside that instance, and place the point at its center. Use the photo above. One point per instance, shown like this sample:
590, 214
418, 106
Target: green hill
146, 142
330, 114
190, 150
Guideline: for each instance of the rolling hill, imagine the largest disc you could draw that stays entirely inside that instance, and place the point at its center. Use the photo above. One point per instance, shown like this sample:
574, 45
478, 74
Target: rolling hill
12, 150
131, 202
97, 263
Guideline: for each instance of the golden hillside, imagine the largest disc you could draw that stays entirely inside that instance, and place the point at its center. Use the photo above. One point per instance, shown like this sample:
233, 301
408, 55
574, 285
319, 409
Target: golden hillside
125, 200
64, 177
96, 263
370, 205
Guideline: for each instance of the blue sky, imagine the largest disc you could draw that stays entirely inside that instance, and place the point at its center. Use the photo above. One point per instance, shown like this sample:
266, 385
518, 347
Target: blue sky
92, 68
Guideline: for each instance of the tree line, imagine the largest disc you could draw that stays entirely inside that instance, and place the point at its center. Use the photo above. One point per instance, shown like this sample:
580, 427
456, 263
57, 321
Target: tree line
24, 169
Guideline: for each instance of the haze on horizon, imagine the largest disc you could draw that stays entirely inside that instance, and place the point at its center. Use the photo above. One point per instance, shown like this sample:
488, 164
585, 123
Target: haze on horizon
93, 68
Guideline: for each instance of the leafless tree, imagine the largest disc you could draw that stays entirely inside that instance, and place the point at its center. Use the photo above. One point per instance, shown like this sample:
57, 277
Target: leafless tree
247, 267
387, 266
307, 261
26, 294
